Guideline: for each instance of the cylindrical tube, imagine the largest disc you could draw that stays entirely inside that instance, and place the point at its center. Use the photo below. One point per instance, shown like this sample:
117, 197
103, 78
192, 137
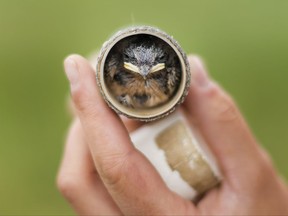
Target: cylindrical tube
144, 74
120, 42
179, 154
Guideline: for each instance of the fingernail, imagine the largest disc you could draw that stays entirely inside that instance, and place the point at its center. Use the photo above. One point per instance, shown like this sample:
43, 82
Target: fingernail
199, 73
71, 70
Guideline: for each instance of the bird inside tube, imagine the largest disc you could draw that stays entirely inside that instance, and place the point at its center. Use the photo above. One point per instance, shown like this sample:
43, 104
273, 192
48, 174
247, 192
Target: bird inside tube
142, 71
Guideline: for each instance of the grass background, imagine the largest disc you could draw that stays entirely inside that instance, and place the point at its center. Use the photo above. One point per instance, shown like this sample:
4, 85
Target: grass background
245, 45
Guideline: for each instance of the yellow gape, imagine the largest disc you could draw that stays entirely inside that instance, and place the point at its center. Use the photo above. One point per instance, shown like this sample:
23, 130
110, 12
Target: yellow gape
131, 67
157, 67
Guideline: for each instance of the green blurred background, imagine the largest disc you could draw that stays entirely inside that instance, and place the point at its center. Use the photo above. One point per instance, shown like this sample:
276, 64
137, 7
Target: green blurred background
244, 43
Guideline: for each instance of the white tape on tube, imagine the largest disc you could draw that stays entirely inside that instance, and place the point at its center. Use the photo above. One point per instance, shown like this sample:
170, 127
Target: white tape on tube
179, 154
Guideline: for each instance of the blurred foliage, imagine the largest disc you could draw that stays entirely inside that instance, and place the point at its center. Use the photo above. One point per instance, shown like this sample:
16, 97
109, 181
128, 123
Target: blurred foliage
244, 44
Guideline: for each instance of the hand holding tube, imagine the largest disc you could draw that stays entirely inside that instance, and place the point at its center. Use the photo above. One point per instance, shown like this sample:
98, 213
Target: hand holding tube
102, 173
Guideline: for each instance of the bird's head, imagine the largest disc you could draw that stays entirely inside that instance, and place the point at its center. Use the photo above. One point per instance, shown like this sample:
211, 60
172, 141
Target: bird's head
144, 60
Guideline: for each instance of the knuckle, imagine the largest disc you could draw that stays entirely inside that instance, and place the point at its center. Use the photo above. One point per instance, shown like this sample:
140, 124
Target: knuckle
214, 91
225, 109
113, 169
250, 176
267, 164
261, 173
69, 186
228, 111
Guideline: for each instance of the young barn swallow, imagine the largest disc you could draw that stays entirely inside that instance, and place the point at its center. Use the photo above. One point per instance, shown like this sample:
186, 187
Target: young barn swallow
142, 72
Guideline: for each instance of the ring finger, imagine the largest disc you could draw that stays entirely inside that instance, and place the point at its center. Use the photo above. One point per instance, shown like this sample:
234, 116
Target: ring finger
78, 180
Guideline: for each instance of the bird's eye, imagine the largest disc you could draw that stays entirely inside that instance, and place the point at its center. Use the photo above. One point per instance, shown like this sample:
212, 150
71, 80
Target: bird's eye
133, 59
161, 58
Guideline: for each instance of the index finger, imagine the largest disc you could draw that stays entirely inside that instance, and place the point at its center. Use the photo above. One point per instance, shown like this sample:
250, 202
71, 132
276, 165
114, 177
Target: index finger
130, 124
131, 180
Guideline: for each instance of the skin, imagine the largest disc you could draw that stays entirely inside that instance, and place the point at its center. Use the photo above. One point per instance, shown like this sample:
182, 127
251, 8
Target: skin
102, 173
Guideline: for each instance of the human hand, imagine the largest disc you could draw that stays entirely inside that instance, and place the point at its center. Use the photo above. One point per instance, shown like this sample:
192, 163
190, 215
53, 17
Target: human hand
103, 174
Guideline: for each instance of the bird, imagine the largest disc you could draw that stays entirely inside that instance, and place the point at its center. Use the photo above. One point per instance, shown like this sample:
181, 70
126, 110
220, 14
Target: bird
142, 71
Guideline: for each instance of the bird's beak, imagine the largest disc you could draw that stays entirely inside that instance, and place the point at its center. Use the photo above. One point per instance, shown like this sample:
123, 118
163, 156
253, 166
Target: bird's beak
144, 70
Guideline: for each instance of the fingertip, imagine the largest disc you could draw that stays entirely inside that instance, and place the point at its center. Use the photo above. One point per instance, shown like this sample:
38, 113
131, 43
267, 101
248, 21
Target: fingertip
77, 61
71, 59
202, 86
85, 94
83, 86
71, 70
74, 56
199, 72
